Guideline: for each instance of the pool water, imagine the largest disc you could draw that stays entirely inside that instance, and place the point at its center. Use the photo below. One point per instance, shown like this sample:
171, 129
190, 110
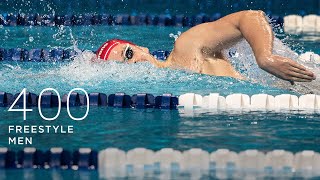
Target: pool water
91, 37
188, 7
127, 129
153, 129
142, 77
156, 129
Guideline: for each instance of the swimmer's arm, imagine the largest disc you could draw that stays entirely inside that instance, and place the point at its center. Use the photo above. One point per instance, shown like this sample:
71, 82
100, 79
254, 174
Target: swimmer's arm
255, 28
155, 62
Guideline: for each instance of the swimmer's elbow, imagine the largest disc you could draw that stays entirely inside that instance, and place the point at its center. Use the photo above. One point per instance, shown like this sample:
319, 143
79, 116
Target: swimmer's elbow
246, 16
253, 13
262, 64
242, 18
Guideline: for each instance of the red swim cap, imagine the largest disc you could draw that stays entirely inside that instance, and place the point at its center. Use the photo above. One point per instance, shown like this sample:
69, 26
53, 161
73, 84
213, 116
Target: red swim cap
105, 49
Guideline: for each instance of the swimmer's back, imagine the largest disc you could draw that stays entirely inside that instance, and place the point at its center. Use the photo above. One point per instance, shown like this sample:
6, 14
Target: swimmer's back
199, 49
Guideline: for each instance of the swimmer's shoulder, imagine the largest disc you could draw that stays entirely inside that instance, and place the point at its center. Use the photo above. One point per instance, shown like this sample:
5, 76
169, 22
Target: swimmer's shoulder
186, 44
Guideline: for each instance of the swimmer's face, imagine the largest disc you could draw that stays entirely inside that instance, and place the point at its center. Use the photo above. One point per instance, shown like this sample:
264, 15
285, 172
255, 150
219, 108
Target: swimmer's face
128, 53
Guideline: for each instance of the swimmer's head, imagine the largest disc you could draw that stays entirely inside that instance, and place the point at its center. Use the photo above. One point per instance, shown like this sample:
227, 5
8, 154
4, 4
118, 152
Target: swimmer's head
121, 50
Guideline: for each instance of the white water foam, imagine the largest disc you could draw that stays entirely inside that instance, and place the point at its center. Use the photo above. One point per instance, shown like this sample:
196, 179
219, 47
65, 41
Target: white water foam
245, 62
83, 71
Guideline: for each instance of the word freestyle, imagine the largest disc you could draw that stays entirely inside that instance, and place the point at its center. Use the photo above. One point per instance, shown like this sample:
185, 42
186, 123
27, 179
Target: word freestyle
34, 129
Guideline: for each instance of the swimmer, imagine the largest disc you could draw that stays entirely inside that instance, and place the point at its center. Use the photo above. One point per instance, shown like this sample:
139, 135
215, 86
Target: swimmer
199, 49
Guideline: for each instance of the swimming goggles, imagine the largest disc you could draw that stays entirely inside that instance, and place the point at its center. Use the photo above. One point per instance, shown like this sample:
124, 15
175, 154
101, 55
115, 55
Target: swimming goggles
128, 53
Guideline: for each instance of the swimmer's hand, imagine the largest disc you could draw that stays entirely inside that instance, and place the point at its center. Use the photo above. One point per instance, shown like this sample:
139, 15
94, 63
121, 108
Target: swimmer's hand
286, 69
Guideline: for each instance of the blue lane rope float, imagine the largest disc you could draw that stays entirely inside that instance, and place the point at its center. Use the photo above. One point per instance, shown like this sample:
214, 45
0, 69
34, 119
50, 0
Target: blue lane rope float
120, 100
52, 55
220, 162
83, 158
21, 19
212, 102
60, 54
36, 55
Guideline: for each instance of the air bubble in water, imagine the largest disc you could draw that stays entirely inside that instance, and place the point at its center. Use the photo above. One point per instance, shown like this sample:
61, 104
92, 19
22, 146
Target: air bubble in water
175, 36
31, 39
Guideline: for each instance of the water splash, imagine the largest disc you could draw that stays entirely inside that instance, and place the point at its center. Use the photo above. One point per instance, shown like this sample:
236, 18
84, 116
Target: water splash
51, 9
245, 62
110, 77
60, 34
175, 36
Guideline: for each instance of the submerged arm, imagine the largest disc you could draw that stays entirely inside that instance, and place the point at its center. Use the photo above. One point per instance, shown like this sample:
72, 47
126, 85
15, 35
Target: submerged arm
155, 62
255, 28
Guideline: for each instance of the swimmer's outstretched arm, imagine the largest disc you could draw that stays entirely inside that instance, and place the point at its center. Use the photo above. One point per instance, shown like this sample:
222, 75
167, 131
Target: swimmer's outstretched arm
254, 27
155, 62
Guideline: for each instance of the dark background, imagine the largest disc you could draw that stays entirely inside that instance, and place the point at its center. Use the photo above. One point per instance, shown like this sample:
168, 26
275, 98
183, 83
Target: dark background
187, 7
